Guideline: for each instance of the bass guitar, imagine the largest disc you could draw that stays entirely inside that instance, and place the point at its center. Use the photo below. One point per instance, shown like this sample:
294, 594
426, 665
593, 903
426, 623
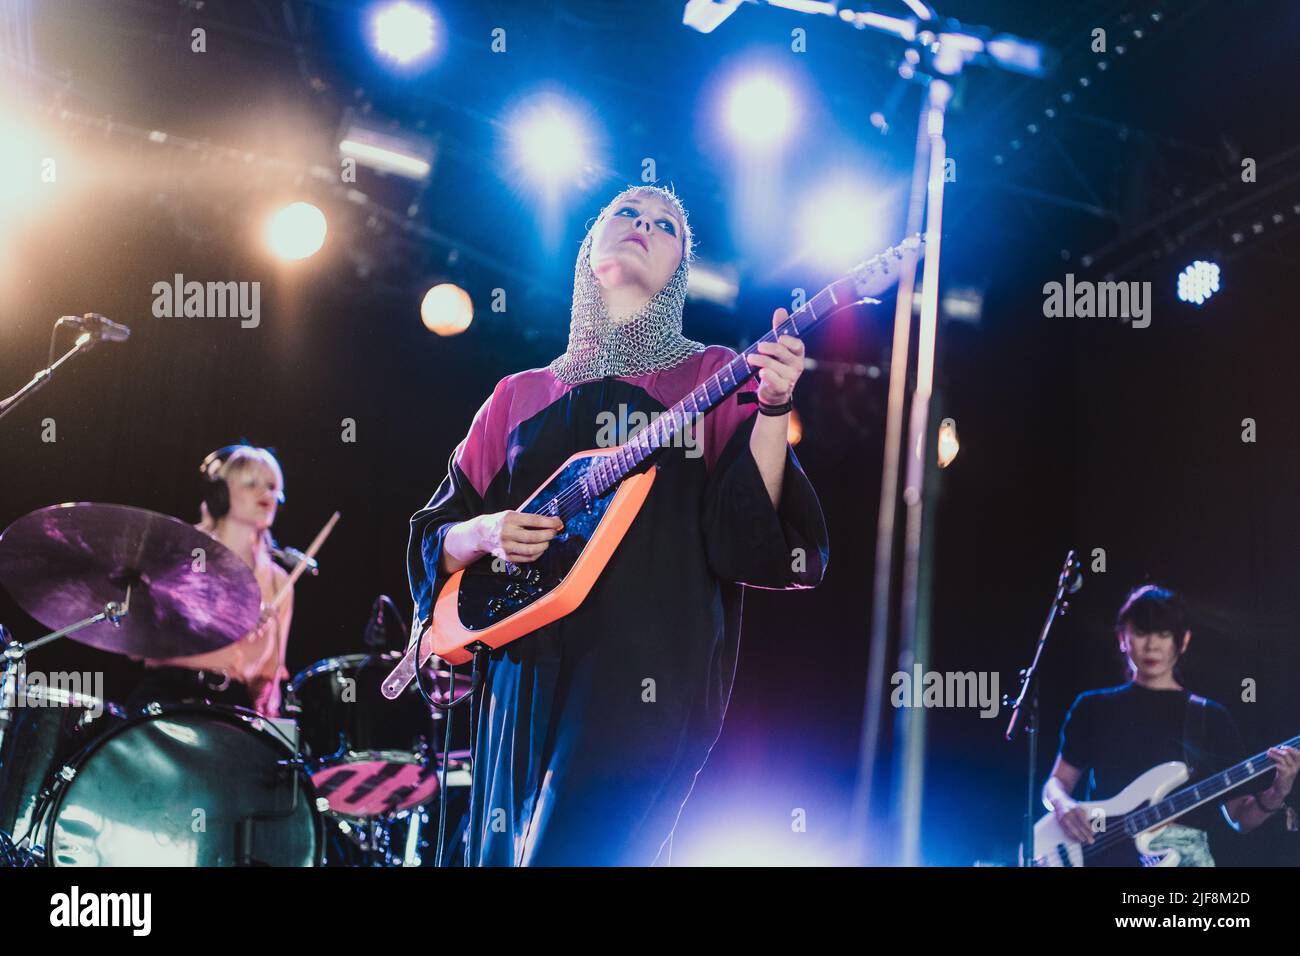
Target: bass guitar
1125, 824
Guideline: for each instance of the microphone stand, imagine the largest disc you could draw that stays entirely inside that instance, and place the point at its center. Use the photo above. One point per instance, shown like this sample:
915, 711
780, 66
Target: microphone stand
85, 342
1069, 582
937, 51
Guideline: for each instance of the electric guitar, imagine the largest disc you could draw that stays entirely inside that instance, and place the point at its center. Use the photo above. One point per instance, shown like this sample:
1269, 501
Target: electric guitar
1125, 825
597, 494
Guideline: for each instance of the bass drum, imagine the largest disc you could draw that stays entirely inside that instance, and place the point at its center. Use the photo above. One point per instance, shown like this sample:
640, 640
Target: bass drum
187, 785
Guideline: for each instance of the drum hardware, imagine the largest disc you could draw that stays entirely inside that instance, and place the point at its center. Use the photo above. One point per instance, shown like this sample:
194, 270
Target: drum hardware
12, 856
186, 591
219, 687
411, 852
15, 795
368, 757
395, 841
79, 780
335, 757
244, 826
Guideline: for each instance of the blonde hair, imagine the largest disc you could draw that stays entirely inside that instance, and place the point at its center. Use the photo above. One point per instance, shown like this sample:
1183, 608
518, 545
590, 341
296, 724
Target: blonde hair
670, 197
241, 459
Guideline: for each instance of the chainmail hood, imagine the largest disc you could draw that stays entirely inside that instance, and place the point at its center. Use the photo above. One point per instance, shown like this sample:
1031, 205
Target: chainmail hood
649, 341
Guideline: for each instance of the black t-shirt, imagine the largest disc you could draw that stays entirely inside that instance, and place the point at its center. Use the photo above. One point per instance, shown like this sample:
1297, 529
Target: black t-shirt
1116, 734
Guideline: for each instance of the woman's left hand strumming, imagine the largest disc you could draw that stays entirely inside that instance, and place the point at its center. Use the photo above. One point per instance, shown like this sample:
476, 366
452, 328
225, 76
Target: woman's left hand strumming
780, 364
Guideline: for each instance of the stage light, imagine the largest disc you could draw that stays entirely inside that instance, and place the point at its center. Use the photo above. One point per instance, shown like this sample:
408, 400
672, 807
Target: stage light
705, 15
1198, 282
794, 430
387, 151
403, 32
749, 837
29, 166
963, 304
840, 223
296, 231
447, 309
549, 141
760, 111
711, 283
948, 443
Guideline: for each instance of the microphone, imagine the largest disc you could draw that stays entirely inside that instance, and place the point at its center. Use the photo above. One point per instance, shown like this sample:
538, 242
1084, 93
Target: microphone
292, 557
376, 630
100, 327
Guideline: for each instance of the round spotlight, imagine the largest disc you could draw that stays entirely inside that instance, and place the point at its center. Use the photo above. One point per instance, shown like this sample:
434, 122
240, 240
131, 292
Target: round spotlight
1198, 282
403, 32
840, 223
446, 309
550, 142
296, 231
760, 111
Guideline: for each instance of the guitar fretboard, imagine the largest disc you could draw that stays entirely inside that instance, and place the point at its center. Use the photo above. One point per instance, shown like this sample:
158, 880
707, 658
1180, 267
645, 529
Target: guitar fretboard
1202, 792
612, 469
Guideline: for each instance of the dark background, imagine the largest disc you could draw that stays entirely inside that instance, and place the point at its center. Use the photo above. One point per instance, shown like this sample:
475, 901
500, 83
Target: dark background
1080, 433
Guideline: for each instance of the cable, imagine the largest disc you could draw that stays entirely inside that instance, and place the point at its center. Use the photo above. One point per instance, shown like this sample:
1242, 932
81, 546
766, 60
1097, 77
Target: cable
442, 772
480, 658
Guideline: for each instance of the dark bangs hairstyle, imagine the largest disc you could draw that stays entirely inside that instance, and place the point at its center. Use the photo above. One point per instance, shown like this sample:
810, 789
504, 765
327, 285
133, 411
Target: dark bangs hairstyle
1151, 609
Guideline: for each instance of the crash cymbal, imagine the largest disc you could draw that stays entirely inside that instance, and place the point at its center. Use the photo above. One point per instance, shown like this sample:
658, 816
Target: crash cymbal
65, 562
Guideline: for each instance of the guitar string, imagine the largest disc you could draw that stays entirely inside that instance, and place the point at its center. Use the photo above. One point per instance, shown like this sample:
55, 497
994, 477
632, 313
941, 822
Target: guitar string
567, 500
1116, 836
573, 492
569, 497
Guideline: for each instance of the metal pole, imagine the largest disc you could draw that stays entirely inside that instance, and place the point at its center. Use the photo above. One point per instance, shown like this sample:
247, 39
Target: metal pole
912, 737
882, 591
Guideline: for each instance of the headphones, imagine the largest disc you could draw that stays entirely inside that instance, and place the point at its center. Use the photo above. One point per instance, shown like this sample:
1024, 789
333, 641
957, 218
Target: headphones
216, 493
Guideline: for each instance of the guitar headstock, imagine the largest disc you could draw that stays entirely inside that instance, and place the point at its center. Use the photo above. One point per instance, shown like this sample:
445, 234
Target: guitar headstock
878, 274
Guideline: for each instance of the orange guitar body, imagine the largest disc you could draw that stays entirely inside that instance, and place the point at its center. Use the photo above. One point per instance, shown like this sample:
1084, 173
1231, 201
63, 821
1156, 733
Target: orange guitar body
449, 634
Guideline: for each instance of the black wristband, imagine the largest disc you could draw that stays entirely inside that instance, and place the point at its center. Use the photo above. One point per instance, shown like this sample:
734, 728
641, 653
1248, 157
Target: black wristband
751, 398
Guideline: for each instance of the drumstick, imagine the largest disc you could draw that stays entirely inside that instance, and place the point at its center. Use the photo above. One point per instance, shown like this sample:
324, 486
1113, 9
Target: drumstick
296, 573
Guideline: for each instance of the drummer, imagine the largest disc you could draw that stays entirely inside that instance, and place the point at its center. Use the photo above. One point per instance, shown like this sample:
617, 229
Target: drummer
243, 486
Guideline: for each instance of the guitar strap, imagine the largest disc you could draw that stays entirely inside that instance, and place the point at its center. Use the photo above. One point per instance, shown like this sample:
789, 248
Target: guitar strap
1194, 734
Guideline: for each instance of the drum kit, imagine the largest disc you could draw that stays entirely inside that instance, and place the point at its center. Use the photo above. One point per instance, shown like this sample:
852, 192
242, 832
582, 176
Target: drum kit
342, 777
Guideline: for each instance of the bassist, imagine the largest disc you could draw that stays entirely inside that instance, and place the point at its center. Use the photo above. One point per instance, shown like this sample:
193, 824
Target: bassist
1113, 735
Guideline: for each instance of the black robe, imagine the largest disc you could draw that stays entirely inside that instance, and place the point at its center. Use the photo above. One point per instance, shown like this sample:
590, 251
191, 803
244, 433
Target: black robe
591, 730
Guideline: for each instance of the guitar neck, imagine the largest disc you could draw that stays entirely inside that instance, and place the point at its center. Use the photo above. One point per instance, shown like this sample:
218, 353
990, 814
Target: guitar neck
863, 282
1206, 790
707, 396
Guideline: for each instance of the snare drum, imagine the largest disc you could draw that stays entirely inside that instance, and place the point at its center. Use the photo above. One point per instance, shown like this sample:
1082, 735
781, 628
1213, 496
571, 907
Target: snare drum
186, 785
48, 725
370, 756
